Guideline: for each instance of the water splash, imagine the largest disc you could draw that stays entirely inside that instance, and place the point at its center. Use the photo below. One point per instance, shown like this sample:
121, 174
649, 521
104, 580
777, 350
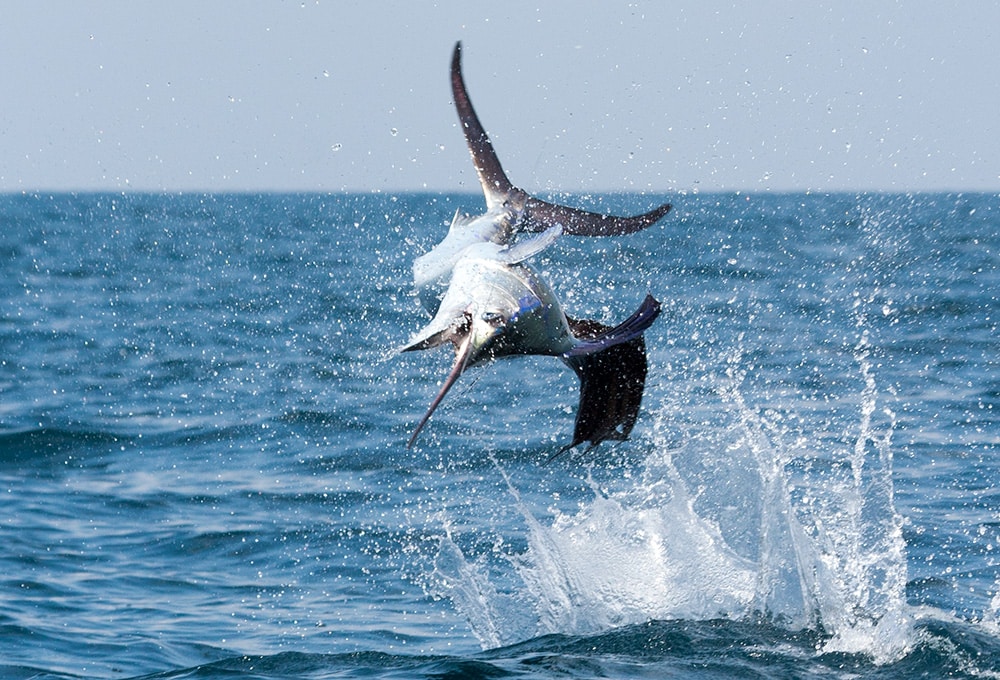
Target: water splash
623, 558
468, 586
784, 513
629, 557
826, 553
991, 619
864, 550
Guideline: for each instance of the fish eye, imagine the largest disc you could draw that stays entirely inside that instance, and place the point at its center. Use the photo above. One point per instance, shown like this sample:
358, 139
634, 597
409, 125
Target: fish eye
493, 318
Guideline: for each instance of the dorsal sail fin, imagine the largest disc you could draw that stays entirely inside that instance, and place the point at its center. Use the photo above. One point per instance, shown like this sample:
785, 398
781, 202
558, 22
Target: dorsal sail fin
627, 330
612, 372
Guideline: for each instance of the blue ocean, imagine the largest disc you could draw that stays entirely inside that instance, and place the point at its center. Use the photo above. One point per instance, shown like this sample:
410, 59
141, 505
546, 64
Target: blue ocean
204, 472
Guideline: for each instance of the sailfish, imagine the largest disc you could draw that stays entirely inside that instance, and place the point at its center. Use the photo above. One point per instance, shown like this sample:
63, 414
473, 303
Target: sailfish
510, 211
499, 306
489, 303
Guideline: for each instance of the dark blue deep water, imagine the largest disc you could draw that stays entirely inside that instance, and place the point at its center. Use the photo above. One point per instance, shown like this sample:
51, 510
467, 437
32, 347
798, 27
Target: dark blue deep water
203, 468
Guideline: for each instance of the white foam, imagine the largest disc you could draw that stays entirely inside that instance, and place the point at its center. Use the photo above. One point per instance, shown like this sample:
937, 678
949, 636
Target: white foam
822, 550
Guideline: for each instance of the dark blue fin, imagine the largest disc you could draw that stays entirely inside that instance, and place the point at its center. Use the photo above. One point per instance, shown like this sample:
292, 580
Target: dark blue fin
612, 383
630, 328
612, 379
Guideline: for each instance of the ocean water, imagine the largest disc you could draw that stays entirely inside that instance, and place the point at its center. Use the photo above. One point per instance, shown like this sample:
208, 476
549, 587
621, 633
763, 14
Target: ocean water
203, 468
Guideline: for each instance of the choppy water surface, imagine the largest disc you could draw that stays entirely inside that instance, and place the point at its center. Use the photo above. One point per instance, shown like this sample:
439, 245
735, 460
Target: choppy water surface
204, 473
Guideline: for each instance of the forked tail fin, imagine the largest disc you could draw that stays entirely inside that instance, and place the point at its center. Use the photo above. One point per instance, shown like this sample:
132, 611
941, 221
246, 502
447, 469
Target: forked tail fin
533, 214
494, 181
539, 214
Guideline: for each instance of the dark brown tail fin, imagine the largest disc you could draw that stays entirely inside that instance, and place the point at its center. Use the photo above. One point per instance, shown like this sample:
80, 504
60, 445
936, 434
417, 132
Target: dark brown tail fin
539, 215
494, 181
535, 214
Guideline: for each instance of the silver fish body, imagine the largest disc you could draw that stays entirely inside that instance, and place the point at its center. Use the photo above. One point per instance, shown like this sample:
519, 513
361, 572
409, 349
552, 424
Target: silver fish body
487, 302
497, 308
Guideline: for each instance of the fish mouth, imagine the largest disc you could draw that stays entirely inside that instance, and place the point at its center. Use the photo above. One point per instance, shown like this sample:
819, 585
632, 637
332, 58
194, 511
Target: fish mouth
474, 337
461, 362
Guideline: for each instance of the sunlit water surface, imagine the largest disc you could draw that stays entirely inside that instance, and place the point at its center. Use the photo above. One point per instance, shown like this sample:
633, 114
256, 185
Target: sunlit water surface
204, 474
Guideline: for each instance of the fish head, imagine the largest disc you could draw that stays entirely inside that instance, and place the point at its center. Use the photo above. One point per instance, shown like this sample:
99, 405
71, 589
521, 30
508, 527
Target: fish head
474, 334
483, 315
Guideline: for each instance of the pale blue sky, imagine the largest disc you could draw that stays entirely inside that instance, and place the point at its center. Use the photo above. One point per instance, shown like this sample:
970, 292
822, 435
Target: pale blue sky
640, 96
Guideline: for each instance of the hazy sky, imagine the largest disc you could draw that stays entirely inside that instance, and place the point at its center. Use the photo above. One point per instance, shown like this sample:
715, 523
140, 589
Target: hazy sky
640, 96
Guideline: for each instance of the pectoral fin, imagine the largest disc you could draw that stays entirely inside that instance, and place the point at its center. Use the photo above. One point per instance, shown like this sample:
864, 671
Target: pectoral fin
434, 334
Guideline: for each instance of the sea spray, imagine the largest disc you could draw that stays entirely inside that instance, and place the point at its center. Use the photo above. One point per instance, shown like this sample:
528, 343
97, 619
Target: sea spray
864, 606
628, 557
786, 563
622, 558
829, 554
991, 619
832, 554
467, 585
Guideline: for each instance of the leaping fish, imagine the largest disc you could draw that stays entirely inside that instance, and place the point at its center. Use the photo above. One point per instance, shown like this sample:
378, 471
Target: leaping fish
509, 210
499, 306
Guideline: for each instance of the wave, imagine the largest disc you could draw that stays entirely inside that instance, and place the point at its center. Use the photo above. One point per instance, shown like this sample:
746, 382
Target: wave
34, 444
770, 524
676, 649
